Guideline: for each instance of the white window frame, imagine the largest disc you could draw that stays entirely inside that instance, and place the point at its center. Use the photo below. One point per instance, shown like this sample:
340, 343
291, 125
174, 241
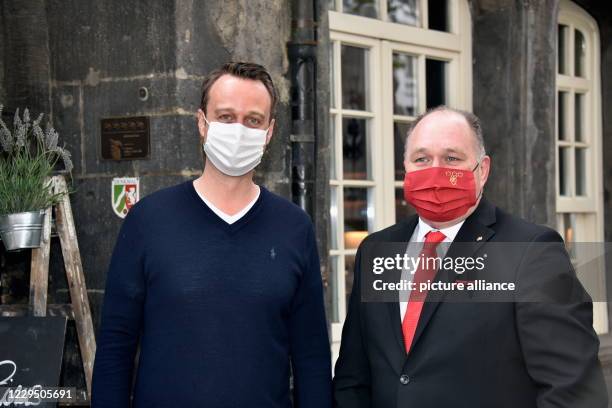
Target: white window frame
587, 209
382, 38
373, 115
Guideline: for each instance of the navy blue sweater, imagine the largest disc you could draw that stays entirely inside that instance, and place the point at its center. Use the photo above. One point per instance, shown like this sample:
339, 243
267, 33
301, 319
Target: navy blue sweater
223, 312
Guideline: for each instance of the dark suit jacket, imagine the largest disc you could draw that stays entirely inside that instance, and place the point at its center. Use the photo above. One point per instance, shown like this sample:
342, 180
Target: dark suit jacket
514, 354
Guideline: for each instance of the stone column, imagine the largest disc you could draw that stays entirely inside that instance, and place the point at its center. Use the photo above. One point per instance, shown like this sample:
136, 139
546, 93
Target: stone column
514, 49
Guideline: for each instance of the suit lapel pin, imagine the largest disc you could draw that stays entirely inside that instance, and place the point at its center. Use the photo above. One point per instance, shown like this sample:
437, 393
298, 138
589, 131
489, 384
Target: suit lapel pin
479, 238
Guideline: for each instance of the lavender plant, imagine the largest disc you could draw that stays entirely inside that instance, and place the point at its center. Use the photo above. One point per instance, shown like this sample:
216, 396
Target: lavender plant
28, 156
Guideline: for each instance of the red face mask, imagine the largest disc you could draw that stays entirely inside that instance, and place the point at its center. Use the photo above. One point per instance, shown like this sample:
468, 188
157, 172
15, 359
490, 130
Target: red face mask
440, 193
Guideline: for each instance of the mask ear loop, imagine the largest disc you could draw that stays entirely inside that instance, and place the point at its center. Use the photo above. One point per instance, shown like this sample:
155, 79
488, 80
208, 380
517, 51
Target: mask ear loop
481, 190
477, 164
265, 147
268, 129
208, 126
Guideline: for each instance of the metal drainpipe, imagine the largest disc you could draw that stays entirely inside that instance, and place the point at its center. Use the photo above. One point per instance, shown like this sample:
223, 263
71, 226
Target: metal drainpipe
302, 61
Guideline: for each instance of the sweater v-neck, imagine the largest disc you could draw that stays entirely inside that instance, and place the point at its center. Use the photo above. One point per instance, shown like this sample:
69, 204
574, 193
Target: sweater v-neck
230, 218
235, 226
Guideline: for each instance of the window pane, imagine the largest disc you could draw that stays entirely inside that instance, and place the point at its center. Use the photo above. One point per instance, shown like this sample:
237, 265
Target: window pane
435, 72
579, 53
333, 288
562, 48
366, 8
355, 150
355, 216
403, 11
333, 218
581, 187
564, 162
569, 233
332, 84
399, 138
354, 77
331, 4
561, 115
579, 117
332, 147
403, 210
438, 15
404, 84
349, 268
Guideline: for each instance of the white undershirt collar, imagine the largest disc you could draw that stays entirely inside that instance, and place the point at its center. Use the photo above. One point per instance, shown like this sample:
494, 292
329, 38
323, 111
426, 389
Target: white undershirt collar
423, 228
230, 219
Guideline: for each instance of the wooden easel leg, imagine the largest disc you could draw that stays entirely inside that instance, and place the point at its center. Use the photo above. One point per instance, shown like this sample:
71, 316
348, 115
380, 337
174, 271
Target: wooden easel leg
76, 281
39, 271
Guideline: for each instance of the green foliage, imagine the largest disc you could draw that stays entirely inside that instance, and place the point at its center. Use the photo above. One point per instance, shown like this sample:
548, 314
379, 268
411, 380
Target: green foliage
27, 160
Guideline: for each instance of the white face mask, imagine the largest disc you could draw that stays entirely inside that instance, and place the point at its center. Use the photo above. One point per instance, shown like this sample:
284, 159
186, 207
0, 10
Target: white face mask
233, 148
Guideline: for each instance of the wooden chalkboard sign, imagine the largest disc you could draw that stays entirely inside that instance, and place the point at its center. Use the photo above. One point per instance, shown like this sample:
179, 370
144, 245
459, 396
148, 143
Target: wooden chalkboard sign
31, 351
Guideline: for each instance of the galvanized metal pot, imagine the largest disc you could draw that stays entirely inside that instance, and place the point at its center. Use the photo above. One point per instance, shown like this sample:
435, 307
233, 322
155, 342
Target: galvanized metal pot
21, 230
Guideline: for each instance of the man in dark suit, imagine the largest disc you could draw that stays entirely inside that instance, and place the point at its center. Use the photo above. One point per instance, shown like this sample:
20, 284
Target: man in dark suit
466, 349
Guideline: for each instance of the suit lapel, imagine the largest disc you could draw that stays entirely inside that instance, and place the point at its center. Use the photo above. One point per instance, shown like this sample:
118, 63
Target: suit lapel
473, 234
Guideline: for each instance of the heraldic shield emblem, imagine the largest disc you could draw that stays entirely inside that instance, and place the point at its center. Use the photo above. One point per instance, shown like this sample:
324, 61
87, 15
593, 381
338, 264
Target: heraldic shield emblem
125, 193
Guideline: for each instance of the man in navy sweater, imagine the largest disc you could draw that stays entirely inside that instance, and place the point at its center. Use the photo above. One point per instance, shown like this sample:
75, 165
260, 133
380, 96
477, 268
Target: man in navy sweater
217, 278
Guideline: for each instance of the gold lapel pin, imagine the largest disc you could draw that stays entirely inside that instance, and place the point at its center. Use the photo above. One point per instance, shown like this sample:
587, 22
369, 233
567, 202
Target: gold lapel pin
479, 238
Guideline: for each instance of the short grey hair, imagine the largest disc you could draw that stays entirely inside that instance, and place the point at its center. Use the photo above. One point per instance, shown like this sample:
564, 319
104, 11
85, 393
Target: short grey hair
472, 120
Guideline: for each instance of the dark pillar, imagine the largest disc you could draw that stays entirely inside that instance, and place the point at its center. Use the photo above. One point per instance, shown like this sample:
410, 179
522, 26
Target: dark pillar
323, 152
514, 49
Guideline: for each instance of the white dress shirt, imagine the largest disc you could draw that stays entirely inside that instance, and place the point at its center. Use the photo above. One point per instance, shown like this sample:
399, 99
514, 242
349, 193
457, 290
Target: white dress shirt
418, 235
230, 219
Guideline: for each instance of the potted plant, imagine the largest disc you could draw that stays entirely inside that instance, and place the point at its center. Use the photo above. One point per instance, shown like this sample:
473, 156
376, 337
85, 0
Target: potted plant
28, 156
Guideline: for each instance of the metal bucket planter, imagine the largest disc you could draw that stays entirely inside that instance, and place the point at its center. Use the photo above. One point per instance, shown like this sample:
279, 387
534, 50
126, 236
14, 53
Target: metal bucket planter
21, 230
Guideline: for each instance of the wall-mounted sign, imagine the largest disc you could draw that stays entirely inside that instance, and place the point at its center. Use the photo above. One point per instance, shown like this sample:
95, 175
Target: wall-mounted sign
125, 138
125, 192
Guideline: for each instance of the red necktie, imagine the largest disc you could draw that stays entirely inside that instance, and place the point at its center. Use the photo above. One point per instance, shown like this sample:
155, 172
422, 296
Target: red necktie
422, 274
